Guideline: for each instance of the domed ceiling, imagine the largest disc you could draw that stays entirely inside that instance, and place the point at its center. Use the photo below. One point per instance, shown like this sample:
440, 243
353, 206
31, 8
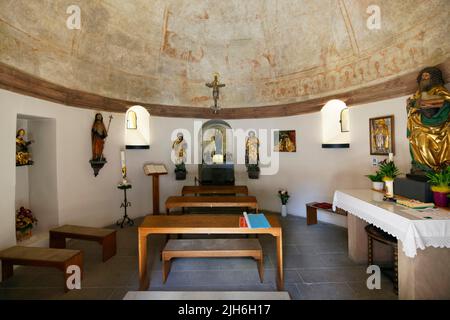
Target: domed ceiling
273, 55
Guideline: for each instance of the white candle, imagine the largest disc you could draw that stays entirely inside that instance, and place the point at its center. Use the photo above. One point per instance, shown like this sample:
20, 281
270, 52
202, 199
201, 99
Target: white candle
122, 158
391, 157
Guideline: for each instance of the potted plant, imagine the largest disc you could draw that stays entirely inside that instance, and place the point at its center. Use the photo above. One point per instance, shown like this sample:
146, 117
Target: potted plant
180, 171
253, 171
389, 171
440, 185
377, 180
25, 221
284, 197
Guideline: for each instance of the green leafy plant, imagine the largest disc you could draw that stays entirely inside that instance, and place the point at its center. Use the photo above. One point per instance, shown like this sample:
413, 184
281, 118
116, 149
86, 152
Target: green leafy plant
440, 180
284, 196
377, 177
388, 170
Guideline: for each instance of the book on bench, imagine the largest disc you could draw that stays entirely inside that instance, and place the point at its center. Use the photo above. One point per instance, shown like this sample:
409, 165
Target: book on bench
256, 220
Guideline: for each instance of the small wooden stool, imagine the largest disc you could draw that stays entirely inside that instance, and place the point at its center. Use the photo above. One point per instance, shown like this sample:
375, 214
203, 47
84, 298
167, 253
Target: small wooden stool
374, 233
106, 237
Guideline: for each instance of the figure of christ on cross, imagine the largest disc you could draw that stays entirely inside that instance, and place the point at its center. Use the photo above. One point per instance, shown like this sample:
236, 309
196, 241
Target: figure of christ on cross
215, 85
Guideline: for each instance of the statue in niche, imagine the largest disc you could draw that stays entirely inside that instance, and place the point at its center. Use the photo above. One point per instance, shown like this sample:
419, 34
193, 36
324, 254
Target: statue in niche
252, 148
179, 147
428, 128
23, 156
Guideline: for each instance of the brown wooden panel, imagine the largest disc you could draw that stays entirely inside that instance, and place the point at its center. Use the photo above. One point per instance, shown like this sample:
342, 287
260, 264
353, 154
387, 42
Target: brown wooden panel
18, 81
214, 190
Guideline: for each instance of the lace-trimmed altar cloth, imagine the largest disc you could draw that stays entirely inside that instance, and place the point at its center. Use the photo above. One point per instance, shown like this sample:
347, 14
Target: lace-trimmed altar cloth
415, 229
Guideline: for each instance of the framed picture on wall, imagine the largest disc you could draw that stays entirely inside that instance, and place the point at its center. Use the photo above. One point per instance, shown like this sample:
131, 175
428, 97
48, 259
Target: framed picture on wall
284, 141
381, 132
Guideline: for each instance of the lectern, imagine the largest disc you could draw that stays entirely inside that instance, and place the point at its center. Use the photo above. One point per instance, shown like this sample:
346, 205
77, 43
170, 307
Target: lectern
155, 170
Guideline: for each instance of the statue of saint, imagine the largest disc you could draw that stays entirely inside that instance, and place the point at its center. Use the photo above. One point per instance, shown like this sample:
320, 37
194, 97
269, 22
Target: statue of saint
252, 148
179, 147
428, 128
99, 134
23, 156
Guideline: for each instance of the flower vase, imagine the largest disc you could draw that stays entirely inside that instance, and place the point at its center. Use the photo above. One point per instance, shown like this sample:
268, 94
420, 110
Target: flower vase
23, 234
440, 199
389, 188
283, 210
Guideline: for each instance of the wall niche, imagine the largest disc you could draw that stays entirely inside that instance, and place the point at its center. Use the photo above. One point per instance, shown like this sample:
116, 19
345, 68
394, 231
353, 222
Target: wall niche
36, 184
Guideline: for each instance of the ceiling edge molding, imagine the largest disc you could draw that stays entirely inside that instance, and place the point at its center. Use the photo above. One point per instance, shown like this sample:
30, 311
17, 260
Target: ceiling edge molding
15, 80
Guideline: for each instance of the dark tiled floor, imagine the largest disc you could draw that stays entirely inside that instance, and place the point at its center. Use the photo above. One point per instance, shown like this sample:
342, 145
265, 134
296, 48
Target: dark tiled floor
316, 267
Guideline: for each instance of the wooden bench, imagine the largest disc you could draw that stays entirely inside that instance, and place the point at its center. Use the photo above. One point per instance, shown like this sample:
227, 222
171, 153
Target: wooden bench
211, 202
41, 257
196, 190
311, 212
212, 248
106, 237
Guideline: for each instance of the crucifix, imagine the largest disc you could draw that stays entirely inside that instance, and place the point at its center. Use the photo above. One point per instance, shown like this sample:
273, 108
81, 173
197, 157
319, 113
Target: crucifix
215, 85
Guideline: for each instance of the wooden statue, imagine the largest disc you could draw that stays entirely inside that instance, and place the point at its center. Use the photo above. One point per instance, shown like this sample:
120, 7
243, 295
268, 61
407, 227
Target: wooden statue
98, 135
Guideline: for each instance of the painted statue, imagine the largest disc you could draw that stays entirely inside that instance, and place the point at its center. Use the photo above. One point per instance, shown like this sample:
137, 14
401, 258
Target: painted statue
23, 156
179, 147
428, 127
252, 148
99, 134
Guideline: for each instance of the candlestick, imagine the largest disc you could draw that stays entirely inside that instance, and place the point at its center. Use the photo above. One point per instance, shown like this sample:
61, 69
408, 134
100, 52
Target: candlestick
391, 157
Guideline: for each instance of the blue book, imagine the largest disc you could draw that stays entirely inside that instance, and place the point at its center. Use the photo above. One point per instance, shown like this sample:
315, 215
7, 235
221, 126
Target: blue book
257, 220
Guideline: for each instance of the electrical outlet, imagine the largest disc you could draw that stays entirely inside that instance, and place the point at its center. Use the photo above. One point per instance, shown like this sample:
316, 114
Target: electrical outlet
374, 162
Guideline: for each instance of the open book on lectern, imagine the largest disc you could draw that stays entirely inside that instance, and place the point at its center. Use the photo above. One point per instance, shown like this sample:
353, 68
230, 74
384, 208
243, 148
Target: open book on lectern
152, 168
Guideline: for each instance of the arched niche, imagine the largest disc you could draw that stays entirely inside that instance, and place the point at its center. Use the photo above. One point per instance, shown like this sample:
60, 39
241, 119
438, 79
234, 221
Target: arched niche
335, 125
216, 141
137, 128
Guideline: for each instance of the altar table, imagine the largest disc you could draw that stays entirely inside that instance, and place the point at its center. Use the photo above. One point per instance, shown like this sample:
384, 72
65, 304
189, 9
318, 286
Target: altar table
423, 240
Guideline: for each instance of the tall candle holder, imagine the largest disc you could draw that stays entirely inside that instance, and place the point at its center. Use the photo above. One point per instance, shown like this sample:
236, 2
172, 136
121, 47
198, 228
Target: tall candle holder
125, 204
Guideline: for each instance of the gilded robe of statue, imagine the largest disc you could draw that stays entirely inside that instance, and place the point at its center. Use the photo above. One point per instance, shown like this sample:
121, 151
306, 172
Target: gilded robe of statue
428, 126
99, 133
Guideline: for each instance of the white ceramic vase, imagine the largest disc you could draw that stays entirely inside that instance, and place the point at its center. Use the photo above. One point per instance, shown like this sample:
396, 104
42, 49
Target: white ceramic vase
283, 210
378, 185
389, 188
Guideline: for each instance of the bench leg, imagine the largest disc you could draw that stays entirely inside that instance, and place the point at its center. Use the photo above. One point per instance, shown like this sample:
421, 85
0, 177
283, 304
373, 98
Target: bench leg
109, 246
7, 270
166, 269
260, 261
57, 241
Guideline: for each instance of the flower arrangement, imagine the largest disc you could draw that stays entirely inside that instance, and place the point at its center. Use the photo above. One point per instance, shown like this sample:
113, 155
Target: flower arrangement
284, 196
25, 220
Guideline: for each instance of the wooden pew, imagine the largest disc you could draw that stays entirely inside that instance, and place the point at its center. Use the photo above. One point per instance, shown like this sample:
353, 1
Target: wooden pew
211, 202
196, 190
212, 248
106, 237
41, 257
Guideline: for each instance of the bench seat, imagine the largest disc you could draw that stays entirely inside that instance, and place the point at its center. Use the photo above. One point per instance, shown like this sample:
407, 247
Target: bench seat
212, 248
40, 257
106, 237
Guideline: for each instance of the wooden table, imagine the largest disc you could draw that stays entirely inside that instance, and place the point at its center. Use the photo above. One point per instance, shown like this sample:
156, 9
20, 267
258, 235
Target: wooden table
202, 224
214, 190
211, 202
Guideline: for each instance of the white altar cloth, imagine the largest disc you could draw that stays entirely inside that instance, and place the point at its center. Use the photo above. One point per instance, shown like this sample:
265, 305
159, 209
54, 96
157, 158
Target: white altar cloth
418, 229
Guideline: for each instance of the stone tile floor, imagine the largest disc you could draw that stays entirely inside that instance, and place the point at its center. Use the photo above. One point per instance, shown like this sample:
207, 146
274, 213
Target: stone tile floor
316, 266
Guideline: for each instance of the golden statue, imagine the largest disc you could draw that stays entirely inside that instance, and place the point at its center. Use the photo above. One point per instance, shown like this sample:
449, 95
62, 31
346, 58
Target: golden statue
428, 128
23, 157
